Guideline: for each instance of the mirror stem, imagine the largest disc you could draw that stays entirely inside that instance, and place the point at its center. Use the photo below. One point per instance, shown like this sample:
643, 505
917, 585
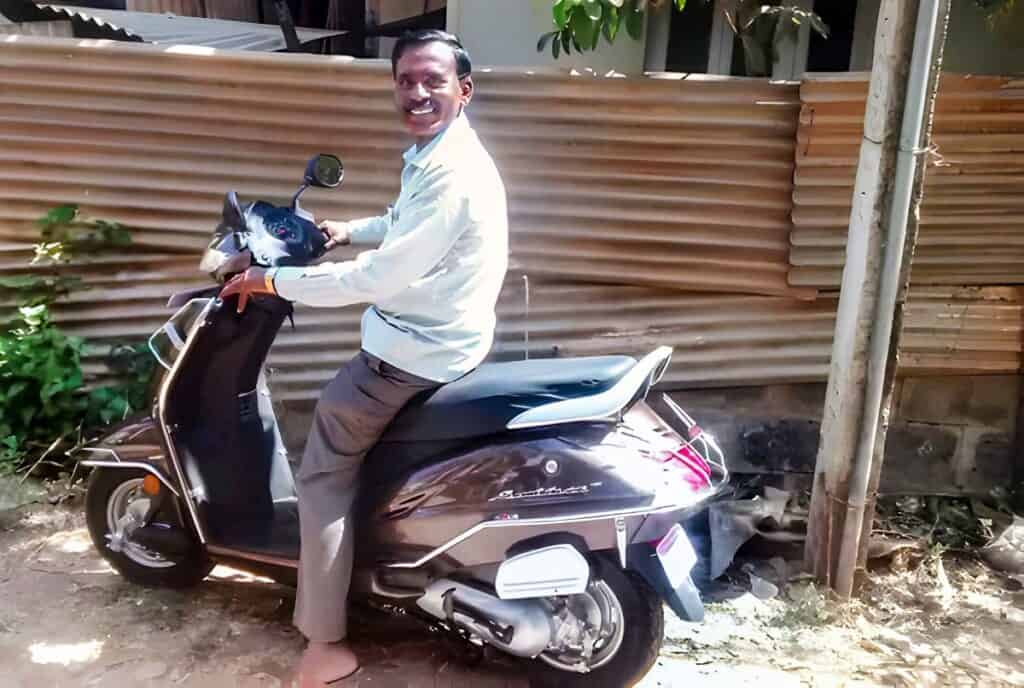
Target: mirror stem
295, 198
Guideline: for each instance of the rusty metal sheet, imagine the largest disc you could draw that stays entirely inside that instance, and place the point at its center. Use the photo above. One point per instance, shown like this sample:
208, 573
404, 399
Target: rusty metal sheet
719, 339
962, 330
681, 184
644, 212
972, 215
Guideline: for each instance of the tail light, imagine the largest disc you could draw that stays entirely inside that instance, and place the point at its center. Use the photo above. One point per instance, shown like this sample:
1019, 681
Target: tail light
696, 471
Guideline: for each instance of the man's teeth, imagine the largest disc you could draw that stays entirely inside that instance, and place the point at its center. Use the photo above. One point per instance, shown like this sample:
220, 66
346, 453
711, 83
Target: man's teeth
422, 111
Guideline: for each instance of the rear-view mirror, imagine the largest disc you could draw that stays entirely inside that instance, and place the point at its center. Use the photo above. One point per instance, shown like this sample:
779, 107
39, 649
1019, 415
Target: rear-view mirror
325, 171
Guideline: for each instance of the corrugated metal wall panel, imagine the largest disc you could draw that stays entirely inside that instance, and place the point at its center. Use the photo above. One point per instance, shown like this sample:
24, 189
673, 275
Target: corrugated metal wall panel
55, 29
683, 184
663, 187
963, 330
719, 339
972, 216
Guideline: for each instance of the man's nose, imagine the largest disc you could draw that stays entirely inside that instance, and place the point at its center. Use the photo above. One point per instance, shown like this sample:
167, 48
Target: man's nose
418, 91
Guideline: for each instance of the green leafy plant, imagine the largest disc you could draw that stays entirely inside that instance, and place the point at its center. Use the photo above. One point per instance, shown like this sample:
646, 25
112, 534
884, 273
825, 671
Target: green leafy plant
579, 25
40, 384
42, 392
759, 26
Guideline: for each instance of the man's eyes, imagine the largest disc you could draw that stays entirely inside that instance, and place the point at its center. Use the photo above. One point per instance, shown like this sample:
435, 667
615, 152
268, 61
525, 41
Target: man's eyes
430, 83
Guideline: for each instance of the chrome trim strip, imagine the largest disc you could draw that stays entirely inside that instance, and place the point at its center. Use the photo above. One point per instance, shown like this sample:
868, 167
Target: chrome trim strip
97, 463
528, 522
152, 349
172, 334
621, 539
190, 340
99, 450
252, 556
598, 406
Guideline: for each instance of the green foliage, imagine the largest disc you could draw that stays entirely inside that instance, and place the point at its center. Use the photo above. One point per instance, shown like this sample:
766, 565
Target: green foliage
580, 24
40, 384
42, 397
66, 234
759, 26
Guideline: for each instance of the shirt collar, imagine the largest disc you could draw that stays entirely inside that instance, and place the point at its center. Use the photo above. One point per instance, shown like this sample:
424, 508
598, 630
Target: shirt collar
442, 142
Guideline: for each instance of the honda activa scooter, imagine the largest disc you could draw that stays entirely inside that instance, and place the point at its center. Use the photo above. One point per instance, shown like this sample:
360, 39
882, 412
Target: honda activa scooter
530, 506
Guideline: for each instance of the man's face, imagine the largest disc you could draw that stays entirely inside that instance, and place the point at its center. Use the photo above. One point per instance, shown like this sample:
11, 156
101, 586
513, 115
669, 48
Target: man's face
428, 92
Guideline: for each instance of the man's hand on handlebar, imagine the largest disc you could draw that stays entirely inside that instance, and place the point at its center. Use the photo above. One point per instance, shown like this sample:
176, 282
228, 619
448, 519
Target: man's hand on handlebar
337, 233
252, 281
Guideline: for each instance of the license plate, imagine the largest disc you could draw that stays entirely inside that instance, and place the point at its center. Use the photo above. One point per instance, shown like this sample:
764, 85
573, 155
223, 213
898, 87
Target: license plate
676, 555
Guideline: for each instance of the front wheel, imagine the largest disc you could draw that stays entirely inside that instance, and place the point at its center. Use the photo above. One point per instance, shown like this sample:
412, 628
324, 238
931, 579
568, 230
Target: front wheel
608, 637
114, 504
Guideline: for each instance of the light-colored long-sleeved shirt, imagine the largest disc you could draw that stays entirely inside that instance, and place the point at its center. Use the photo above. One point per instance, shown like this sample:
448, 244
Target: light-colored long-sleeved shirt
435, 277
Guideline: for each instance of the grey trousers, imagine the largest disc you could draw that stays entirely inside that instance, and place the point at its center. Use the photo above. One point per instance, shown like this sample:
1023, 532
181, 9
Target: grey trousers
354, 410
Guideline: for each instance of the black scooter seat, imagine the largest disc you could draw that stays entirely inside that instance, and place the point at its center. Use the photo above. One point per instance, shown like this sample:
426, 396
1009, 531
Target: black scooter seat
484, 401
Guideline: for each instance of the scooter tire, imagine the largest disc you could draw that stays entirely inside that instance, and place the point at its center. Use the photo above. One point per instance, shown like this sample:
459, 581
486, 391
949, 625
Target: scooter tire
187, 570
644, 622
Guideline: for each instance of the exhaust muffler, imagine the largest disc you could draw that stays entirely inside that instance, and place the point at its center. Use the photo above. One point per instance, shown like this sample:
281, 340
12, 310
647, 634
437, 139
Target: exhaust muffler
519, 627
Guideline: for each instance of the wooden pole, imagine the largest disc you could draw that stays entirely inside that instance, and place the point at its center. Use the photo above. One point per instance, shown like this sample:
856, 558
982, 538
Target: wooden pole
856, 403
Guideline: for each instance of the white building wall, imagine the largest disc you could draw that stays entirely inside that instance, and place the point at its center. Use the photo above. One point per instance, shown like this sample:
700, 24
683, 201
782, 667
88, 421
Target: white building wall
505, 32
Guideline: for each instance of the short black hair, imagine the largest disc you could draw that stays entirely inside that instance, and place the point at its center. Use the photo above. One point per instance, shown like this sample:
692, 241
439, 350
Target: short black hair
410, 39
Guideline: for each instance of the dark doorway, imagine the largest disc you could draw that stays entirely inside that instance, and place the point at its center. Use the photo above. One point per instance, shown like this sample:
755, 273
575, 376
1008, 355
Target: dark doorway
832, 54
690, 37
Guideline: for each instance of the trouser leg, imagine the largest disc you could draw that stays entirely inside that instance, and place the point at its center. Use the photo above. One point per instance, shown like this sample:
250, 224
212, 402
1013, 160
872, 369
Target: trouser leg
353, 412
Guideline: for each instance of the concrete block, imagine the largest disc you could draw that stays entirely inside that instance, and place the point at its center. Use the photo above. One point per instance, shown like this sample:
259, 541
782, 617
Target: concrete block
920, 459
788, 446
979, 400
984, 460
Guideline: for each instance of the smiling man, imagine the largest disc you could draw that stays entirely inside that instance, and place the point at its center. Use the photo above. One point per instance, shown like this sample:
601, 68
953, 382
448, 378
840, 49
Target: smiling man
433, 282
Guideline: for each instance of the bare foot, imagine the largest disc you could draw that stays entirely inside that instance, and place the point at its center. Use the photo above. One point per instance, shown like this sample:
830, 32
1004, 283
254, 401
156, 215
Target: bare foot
324, 663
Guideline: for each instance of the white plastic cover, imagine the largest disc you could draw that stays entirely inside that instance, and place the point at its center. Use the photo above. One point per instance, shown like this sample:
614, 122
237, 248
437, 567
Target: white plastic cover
555, 570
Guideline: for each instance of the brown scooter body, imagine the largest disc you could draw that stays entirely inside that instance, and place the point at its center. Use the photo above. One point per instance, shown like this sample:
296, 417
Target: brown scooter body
531, 505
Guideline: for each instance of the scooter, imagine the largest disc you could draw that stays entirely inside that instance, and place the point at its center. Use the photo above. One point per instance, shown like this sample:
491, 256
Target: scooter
531, 506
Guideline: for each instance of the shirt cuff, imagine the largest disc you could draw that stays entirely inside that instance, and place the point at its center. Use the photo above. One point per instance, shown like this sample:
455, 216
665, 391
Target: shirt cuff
285, 279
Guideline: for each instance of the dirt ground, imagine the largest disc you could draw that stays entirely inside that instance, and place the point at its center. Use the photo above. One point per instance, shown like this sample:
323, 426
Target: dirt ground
66, 619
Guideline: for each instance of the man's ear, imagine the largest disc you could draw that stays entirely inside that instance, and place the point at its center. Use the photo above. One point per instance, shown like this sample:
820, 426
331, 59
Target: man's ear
466, 90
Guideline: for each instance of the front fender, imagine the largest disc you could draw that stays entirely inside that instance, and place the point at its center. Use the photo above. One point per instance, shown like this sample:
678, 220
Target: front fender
135, 443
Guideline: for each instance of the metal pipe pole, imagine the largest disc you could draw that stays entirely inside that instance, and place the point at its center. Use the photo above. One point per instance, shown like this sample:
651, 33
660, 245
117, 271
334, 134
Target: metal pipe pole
915, 115
842, 416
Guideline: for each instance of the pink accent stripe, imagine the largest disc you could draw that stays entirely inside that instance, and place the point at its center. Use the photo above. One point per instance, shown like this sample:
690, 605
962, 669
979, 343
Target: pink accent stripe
695, 466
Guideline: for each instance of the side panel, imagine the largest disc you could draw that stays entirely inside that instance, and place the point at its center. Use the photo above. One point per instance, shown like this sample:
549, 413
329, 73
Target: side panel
520, 477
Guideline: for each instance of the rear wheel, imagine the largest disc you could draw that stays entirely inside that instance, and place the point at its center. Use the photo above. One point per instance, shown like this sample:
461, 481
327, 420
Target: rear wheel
115, 504
606, 637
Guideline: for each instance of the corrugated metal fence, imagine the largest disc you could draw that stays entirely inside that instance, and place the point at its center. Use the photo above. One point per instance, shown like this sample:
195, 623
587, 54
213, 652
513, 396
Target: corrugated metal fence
650, 183
644, 211
972, 215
